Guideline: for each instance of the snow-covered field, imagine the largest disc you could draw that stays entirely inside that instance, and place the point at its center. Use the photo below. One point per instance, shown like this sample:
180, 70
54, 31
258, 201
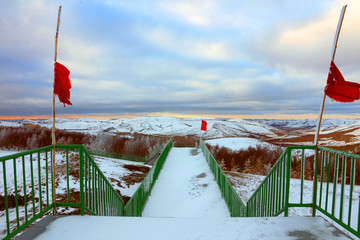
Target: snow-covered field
236, 144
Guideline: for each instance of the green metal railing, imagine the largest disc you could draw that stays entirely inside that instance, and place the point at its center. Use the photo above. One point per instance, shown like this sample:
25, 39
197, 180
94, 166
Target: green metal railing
27, 183
336, 195
97, 195
236, 206
137, 202
272, 197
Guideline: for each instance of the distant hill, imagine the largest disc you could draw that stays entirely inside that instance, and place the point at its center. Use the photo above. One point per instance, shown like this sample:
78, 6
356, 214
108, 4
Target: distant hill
335, 132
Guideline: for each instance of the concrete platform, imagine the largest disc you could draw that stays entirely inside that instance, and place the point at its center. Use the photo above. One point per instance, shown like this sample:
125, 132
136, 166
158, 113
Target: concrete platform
94, 227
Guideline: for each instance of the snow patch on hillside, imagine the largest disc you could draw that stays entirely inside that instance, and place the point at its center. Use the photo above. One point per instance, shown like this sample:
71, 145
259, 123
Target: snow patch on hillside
237, 144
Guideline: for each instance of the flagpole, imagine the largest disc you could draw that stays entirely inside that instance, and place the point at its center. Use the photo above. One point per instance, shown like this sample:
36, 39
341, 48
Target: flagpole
316, 138
53, 114
199, 136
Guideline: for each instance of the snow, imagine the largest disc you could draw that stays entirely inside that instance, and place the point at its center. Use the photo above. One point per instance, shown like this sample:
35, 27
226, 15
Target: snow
237, 144
186, 188
114, 169
77, 227
155, 125
305, 123
6, 153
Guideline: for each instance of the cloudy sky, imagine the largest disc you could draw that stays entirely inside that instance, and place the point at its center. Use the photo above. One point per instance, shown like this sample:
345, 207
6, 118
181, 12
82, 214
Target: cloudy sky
262, 59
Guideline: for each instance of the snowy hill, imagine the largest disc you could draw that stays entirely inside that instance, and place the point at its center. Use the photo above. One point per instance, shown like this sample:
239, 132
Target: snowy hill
305, 123
156, 125
335, 132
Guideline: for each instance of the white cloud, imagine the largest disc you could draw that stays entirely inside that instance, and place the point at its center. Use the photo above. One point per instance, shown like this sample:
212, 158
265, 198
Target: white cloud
309, 45
193, 12
187, 45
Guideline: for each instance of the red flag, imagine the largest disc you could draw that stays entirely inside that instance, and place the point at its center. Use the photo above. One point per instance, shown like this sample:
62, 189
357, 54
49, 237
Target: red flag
203, 125
62, 83
340, 90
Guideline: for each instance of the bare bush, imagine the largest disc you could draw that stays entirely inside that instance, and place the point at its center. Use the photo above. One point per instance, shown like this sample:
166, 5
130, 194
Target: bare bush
254, 160
33, 136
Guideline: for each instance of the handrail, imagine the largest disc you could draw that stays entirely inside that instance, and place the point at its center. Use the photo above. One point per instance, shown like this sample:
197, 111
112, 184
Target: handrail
334, 177
23, 176
336, 174
32, 193
235, 205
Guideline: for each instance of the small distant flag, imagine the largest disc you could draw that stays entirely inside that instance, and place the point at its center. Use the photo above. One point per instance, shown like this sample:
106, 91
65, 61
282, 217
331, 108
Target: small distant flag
203, 125
340, 90
62, 83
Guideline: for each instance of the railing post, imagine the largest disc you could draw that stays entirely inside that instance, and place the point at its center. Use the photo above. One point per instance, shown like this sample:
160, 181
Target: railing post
81, 159
315, 181
288, 176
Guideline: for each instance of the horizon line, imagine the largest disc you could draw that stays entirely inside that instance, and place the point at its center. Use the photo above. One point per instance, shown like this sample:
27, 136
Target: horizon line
176, 115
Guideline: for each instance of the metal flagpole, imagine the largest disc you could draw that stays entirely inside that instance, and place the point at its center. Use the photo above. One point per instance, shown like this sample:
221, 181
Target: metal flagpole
316, 139
53, 113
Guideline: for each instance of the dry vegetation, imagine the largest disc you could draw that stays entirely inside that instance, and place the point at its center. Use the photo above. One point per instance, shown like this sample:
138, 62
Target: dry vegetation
33, 136
254, 160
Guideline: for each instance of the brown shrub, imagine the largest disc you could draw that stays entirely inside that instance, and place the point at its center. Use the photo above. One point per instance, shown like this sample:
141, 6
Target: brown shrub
255, 160
33, 136
185, 141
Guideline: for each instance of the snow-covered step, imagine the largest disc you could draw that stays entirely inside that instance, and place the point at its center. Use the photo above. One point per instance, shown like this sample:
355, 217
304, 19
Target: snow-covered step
93, 227
186, 188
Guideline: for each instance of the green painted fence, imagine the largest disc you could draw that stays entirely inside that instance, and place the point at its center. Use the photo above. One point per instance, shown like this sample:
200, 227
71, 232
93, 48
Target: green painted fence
336, 195
236, 206
27, 185
137, 203
25, 171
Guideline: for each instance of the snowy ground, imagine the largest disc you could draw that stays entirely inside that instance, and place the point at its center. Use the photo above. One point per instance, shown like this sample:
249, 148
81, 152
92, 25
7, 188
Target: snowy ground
186, 188
190, 228
237, 144
115, 170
